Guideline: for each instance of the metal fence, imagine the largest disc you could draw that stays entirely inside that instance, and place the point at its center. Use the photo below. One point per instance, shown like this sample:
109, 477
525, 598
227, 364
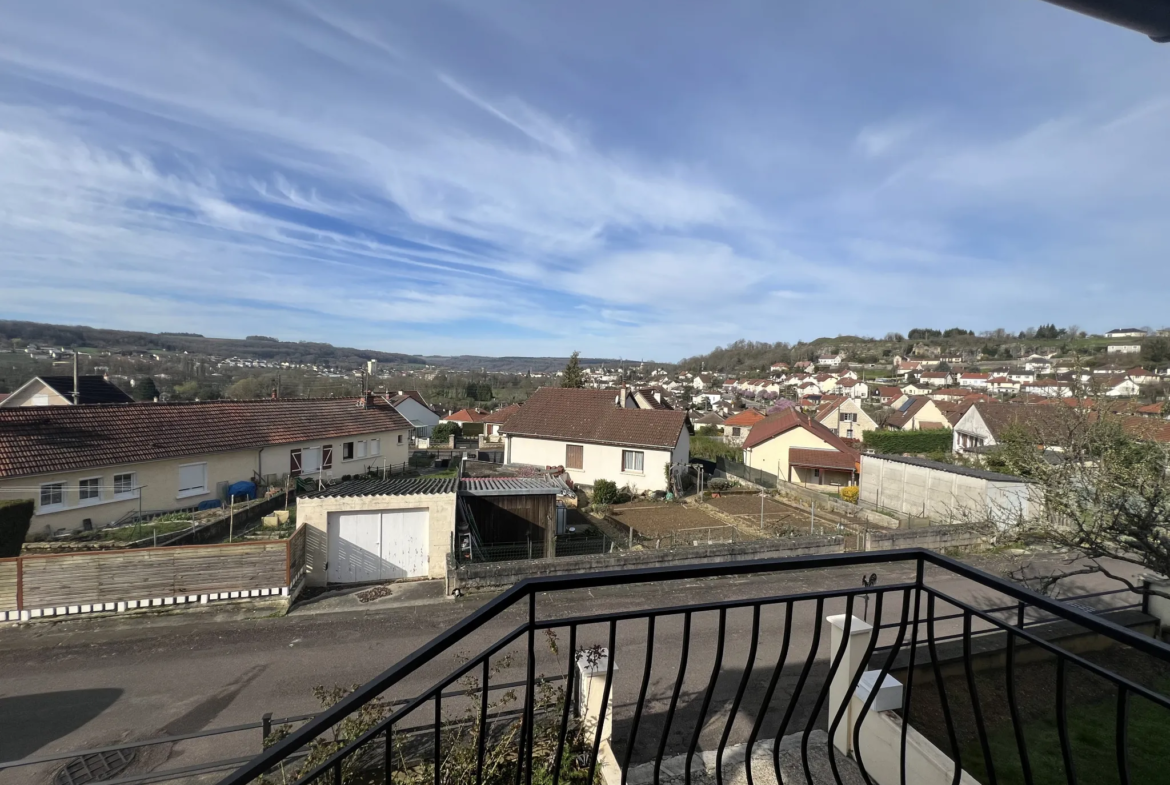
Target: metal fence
534, 549
803, 656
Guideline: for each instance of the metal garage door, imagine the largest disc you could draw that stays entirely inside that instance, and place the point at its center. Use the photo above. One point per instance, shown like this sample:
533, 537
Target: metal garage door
378, 545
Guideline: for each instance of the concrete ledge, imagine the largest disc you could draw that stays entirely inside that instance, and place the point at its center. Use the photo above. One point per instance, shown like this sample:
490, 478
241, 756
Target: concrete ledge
934, 538
493, 575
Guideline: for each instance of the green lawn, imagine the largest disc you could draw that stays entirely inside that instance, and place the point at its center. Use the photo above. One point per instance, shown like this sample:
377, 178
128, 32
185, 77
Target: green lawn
165, 524
1092, 739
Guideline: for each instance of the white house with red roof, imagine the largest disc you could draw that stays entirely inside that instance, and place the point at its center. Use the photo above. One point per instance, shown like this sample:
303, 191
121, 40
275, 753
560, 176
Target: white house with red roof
798, 449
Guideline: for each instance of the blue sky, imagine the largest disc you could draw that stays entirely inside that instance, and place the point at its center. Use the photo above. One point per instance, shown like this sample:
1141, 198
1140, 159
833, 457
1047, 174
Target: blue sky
643, 179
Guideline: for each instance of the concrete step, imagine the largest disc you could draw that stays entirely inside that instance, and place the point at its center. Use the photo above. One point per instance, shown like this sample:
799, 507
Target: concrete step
763, 766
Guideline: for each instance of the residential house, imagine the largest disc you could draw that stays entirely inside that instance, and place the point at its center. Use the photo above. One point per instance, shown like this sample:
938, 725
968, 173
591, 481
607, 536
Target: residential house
831, 360
826, 381
951, 358
1037, 363
1117, 386
1124, 348
494, 421
1126, 332
854, 389
797, 448
1022, 376
935, 378
59, 391
779, 368
411, 405
1003, 385
98, 463
917, 389
1047, 388
845, 417
886, 395
708, 420
845, 372
595, 437
1141, 376
703, 381
906, 367
657, 398
738, 426
802, 365
917, 413
951, 394
985, 424
974, 380
465, 416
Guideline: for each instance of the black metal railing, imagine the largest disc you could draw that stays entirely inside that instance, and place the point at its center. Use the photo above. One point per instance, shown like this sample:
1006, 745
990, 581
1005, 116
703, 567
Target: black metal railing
759, 681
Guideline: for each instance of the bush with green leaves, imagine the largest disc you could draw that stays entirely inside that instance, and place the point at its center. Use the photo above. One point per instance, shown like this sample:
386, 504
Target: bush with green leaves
605, 492
898, 442
15, 518
444, 430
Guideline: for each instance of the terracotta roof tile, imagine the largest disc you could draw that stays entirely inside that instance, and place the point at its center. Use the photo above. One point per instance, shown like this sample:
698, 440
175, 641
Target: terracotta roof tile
41, 439
748, 418
568, 414
501, 416
821, 459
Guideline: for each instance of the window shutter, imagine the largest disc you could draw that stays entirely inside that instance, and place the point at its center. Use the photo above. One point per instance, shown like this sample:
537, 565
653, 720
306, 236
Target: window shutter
294, 462
327, 456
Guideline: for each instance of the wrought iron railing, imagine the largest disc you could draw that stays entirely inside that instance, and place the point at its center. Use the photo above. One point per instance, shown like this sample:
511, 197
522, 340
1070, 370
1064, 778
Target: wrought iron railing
880, 682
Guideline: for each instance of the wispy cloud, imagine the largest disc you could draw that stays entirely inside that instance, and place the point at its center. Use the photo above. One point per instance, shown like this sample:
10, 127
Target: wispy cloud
433, 179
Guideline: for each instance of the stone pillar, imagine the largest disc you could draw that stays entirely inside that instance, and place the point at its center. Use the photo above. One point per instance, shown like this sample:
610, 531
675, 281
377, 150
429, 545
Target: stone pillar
591, 666
859, 635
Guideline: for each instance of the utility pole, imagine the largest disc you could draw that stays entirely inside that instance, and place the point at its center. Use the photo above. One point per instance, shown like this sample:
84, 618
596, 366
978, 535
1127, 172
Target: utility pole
76, 392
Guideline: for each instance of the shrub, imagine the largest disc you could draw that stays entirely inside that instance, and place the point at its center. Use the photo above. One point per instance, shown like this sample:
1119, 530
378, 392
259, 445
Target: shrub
718, 485
711, 449
850, 493
442, 432
15, 518
936, 440
605, 492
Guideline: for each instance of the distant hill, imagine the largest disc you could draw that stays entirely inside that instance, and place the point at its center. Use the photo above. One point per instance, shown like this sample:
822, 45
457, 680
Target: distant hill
471, 362
257, 347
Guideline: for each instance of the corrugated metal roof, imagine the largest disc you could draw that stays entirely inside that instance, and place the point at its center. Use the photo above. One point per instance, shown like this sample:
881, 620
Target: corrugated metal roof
512, 486
402, 486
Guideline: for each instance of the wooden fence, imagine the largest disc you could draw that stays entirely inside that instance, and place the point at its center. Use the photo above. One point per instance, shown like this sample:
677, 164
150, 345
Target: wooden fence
71, 583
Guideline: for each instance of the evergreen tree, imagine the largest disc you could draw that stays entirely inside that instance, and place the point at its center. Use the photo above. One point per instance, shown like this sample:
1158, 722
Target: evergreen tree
573, 376
145, 389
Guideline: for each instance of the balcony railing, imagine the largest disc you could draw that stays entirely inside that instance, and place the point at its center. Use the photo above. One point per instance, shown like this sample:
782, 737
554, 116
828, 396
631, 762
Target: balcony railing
943, 674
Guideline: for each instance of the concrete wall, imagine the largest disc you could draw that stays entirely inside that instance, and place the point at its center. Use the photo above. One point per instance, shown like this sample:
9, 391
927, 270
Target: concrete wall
314, 515
490, 575
935, 538
601, 461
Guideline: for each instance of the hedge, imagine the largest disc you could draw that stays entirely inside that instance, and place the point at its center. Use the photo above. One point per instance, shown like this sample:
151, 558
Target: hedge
15, 518
934, 440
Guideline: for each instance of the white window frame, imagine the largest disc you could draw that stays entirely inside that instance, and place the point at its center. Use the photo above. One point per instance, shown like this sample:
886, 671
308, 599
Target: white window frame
83, 500
52, 506
359, 449
641, 459
375, 448
130, 494
184, 493
347, 451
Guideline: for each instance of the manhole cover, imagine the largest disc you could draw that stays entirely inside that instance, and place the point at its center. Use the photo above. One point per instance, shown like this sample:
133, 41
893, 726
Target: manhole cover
93, 768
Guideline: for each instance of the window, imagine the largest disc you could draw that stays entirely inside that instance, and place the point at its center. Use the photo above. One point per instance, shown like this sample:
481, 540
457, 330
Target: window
735, 430
848, 416
53, 495
310, 460
124, 484
400, 438
574, 456
192, 479
375, 446
347, 451
632, 461
89, 490
361, 449
294, 462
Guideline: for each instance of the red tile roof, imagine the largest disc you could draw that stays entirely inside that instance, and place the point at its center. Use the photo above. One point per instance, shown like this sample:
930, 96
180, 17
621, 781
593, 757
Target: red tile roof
412, 394
568, 414
776, 424
466, 415
501, 416
821, 459
42, 439
748, 418
890, 392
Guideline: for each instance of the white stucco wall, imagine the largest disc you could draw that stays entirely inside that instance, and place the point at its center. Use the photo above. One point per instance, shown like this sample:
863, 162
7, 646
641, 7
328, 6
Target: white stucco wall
601, 461
772, 455
394, 450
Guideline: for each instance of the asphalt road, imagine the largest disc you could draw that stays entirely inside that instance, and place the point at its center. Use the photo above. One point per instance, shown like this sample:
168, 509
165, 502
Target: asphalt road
81, 684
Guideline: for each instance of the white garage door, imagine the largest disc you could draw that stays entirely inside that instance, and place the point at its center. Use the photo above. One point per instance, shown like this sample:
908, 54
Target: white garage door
378, 545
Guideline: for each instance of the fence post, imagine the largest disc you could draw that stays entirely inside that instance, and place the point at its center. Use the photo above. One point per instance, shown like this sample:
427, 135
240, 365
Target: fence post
265, 728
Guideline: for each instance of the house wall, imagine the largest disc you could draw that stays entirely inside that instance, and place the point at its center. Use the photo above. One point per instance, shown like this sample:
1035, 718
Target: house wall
772, 455
829, 478
394, 450
314, 514
864, 422
600, 461
28, 397
971, 425
928, 413
420, 416
158, 481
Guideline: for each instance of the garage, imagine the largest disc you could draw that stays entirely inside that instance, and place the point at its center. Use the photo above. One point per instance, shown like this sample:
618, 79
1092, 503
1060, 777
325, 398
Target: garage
369, 530
378, 545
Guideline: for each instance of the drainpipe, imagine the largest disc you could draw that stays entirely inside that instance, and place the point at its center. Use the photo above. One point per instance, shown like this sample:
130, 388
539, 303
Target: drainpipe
259, 470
